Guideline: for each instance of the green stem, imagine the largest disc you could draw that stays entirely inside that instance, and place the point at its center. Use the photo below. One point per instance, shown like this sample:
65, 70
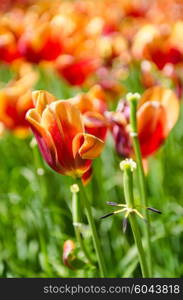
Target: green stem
141, 177
76, 222
128, 190
43, 197
41, 177
95, 238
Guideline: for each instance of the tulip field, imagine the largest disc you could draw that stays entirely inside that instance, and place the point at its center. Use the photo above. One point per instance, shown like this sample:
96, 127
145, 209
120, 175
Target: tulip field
91, 138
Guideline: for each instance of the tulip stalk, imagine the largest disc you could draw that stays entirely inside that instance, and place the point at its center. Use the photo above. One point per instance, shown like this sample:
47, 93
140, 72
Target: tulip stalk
128, 166
133, 99
43, 197
39, 171
95, 237
76, 221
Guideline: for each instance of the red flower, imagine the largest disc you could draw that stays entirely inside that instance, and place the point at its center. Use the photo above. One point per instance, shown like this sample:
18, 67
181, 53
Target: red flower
8, 48
161, 45
40, 44
76, 71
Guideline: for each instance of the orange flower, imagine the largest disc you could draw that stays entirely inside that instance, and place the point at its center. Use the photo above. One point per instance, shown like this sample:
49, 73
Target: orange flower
8, 45
92, 105
59, 130
15, 100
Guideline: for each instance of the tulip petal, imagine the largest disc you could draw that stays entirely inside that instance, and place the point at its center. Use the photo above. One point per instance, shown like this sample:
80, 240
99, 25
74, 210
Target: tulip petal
63, 121
82, 102
96, 124
151, 120
97, 92
169, 101
68, 116
90, 101
4, 117
87, 176
41, 99
24, 102
87, 145
44, 139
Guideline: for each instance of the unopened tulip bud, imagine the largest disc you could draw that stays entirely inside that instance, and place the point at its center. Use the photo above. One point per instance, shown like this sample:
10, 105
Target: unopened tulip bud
70, 257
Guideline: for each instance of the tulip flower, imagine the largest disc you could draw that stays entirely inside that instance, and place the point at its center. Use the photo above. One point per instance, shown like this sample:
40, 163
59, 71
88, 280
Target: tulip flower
135, 9
157, 113
70, 256
68, 253
40, 43
8, 46
160, 45
16, 100
92, 106
60, 133
151, 76
161, 54
76, 71
108, 79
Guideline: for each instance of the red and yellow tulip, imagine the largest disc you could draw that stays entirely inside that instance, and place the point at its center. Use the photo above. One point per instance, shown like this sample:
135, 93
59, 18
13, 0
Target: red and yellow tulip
39, 43
15, 101
8, 45
160, 44
60, 133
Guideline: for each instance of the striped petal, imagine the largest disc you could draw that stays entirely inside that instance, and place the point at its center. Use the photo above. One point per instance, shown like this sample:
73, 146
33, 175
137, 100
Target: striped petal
82, 102
96, 124
68, 118
87, 145
44, 139
41, 99
63, 121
